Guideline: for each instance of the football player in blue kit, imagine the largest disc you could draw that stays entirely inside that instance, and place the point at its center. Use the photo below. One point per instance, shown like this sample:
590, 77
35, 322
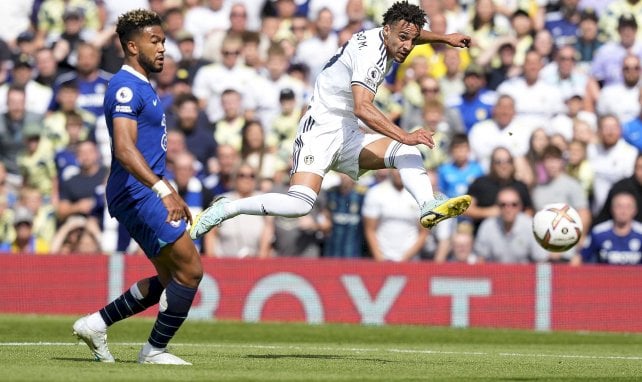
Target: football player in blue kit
329, 135
141, 199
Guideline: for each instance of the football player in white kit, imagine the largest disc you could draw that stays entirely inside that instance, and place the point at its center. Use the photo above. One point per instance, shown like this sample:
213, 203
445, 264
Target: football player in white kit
329, 137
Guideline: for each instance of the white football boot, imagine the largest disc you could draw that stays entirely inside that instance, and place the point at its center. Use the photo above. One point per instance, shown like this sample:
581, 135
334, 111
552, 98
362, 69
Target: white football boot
95, 339
152, 355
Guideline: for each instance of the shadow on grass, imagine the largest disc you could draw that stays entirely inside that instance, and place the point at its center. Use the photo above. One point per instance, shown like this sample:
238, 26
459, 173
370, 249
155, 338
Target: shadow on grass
316, 356
87, 360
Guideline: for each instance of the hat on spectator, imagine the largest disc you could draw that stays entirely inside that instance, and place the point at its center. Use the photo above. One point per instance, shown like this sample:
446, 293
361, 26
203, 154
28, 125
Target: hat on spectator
73, 13
26, 36
23, 61
627, 20
474, 70
588, 14
22, 215
32, 130
184, 35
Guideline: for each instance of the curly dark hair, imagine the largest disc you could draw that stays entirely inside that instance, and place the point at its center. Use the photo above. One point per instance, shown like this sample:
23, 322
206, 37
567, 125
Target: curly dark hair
402, 10
132, 22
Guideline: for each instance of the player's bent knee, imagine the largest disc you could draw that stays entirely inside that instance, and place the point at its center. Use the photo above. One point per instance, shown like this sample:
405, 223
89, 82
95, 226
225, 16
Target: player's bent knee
302, 200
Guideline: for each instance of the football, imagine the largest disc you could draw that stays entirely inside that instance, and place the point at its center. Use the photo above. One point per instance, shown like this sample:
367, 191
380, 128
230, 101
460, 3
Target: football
557, 227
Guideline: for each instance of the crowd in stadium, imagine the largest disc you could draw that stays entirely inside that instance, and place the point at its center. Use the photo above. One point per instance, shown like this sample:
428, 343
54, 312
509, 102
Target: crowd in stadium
544, 106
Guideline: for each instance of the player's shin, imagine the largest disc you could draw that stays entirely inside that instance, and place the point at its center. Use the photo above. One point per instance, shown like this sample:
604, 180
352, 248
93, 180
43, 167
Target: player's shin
132, 301
174, 305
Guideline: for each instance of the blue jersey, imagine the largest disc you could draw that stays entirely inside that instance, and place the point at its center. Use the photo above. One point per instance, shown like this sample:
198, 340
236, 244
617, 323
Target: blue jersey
604, 246
475, 109
130, 95
454, 181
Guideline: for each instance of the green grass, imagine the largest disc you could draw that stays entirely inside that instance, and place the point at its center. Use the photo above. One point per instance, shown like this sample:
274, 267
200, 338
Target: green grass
230, 351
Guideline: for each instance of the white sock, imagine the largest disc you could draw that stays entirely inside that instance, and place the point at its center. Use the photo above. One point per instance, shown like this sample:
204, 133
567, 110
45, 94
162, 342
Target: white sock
414, 177
297, 202
95, 322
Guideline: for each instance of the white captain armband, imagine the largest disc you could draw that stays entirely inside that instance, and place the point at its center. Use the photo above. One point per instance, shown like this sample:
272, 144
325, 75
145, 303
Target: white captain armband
161, 189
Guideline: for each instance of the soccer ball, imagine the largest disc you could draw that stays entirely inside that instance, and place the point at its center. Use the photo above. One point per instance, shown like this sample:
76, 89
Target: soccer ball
557, 227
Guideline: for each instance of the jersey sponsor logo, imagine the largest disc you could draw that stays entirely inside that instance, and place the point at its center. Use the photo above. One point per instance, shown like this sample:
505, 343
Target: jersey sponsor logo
373, 77
123, 109
124, 94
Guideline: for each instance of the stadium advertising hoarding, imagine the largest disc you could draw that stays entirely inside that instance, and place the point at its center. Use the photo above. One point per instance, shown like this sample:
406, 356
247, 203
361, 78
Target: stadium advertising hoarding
541, 297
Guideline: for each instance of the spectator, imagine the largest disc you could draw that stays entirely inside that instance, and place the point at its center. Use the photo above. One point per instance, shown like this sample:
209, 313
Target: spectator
210, 16
189, 64
192, 122
500, 131
46, 67
8, 190
564, 74
622, 99
606, 68
563, 23
255, 153
221, 169
579, 166
78, 235
505, 68
343, 209
476, 103
564, 123
462, 244
51, 21
456, 175
484, 26
434, 123
508, 238
65, 45
616, 241
613, 13
77, 193
43, 212
611, 158
531, 169
484, 189
7, 230
452, 82
25, 242
587, 43
37, 95
55, 122
248, 235
536, 101
227, 130
284, 127
36, 162
189, 187
211, 80
12, 123
390, 221
174, 24
522, 31
544, 45
214, 39
90, 80
317, 50
631, 185
430, 92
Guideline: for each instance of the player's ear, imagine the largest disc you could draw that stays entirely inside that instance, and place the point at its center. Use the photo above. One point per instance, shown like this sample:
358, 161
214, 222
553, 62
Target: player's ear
386, 30
132, 47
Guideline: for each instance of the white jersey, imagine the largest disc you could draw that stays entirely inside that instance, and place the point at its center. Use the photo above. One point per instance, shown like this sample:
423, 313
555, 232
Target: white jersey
362, 60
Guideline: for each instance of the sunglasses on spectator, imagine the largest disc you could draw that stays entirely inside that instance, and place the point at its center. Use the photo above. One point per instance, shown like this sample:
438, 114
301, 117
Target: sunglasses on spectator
631, 67
246, 175
502, 161
429, 90
231, 52
508, 204
238, 14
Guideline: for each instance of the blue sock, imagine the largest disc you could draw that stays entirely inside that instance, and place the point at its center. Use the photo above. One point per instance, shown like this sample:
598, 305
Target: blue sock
172, 313
127, 305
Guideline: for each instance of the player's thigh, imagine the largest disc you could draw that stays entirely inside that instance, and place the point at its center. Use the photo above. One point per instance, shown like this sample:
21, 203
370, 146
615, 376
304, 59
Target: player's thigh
315, 150
373, 152
180, 261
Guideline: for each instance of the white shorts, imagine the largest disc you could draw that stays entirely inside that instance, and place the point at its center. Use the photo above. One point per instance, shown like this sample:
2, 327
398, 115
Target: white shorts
319, 148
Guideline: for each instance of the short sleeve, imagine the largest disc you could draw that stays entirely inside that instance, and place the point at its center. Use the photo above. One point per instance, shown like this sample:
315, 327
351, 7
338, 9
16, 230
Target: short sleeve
126, 101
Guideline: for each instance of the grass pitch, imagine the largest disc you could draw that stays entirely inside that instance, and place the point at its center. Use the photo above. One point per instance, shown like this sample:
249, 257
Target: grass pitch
41, 348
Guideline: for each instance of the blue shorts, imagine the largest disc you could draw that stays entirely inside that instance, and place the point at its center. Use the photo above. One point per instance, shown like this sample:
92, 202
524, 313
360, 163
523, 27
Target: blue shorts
145, 222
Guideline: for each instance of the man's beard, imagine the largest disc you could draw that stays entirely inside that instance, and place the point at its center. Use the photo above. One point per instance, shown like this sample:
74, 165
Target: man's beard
147, 64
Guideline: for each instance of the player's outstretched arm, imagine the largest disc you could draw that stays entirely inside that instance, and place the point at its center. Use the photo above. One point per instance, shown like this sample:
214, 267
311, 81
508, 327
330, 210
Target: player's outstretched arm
457, 40
368, 113
125, 151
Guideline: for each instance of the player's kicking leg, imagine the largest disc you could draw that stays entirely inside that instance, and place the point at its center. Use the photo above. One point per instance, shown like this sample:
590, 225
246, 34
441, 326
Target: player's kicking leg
407, 160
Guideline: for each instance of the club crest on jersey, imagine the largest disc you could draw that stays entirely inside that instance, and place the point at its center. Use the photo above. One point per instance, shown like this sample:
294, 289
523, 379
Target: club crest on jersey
308, 159
124, 94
